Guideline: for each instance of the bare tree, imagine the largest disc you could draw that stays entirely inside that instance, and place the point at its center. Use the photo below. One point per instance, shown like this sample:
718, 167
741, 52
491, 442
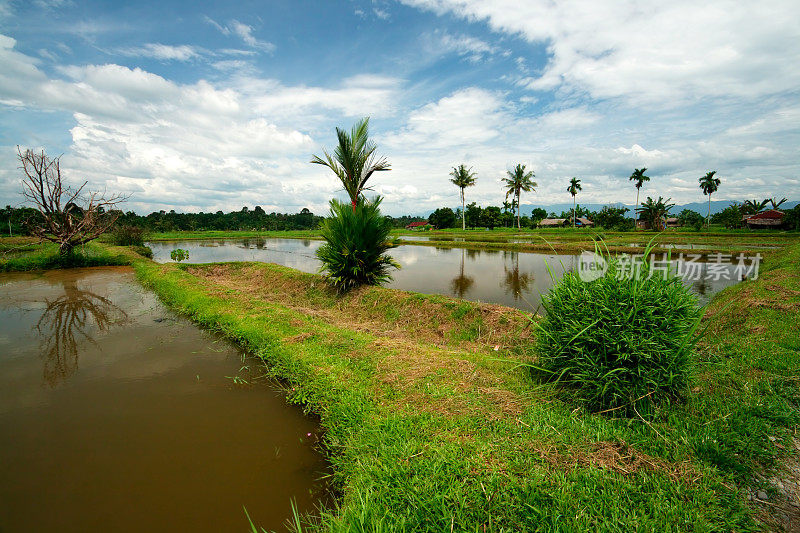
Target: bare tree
70, 217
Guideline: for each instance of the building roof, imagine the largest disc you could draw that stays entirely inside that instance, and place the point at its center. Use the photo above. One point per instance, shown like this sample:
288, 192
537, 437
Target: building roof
418, 224
769, 213
552, 221
585, 221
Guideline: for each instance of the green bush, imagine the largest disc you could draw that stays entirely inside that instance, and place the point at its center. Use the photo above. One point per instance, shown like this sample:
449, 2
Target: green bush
127, 236
356, 243
620, 342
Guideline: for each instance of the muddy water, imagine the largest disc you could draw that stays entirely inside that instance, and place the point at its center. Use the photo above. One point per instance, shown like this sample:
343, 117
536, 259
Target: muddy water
117, 415
515, 279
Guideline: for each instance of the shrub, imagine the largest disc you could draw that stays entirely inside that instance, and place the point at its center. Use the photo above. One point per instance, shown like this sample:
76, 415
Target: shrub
620, 342
127, 236
356, 243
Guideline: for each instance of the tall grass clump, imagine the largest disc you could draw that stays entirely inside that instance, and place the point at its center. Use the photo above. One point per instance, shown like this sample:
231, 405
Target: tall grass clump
356, 241
622, 342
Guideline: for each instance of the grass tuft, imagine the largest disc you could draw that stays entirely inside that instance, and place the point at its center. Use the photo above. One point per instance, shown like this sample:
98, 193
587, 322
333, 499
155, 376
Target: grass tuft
622, 342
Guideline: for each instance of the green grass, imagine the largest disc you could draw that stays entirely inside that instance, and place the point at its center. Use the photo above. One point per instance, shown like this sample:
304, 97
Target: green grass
430, 428
29, 255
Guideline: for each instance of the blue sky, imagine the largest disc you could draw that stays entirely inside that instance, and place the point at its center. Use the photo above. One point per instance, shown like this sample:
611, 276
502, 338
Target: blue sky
209, 105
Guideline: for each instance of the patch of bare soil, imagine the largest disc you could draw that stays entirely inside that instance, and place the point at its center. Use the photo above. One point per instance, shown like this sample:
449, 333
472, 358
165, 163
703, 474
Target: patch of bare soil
775, 495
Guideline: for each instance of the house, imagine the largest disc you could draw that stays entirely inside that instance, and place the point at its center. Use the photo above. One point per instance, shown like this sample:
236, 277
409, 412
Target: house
672, 222
553, 222
771, 218
582, 222
421, 224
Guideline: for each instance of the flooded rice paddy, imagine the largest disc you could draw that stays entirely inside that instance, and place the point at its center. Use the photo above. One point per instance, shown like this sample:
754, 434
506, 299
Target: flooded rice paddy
117, 415
515, 279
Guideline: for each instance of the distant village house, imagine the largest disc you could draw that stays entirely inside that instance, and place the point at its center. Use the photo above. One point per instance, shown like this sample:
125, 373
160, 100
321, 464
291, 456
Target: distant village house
771, 218
422, 224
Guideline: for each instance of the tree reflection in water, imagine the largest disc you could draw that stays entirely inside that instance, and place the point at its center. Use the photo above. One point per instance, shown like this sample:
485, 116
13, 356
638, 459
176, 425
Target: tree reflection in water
66, 322
461, 284
515, 282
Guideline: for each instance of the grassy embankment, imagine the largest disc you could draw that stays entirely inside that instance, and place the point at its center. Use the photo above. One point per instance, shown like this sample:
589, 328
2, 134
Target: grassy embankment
432, 424
21, 253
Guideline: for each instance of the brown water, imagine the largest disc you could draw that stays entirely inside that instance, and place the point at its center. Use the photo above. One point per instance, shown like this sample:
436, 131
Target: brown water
117, 415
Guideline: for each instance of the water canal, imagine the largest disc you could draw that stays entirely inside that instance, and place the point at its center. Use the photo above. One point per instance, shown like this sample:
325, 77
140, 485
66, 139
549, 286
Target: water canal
118, 415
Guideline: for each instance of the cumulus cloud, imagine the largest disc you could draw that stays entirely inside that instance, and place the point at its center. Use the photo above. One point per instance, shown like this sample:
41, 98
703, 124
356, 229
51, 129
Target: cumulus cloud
466, 118
187, 146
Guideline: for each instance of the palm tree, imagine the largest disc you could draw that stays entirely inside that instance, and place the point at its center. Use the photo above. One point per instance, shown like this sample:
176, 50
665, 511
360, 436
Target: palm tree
638, 178
463, 177
777, 203
354, 159
753, 207
655, 212
574, 187
516, 181
709, 184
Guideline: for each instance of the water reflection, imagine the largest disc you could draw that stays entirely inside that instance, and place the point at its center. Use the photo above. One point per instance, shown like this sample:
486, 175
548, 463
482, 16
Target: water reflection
515, 282
504, 277
66, 322
461, 284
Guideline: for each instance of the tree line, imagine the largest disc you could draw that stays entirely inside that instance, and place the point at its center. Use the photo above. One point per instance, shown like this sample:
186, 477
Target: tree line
21, 220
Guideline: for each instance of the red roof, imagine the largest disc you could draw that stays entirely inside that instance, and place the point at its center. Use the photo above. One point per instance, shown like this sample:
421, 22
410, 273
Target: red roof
769, 213
418, 224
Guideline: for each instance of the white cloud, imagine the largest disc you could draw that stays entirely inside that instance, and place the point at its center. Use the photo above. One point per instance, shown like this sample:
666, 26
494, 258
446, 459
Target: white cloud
667, 52
189, 146
470, 47
467, 118
163, 52
244, 32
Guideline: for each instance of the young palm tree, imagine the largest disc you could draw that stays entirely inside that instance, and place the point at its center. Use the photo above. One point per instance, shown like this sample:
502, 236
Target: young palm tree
709, 184
655, 212
574, 187
463, 177
354, 160
516, 181
638, 178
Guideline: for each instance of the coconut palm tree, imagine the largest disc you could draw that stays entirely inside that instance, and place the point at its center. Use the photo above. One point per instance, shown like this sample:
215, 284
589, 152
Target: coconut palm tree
516, 181
655, 212
354, 160
463, 177
574, 187
709, 184
638, 178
